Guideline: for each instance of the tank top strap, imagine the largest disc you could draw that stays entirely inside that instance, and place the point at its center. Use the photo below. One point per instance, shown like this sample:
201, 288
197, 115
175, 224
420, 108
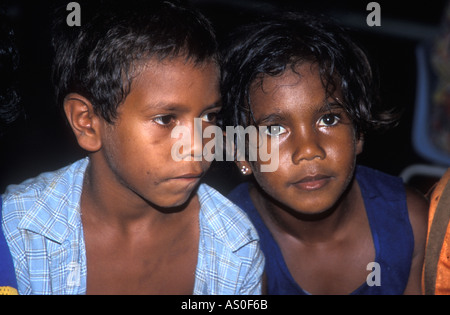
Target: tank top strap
385, 201
279, 279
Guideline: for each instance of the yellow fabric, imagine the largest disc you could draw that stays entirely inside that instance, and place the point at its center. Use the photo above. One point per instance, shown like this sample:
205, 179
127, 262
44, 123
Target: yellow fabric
8, 291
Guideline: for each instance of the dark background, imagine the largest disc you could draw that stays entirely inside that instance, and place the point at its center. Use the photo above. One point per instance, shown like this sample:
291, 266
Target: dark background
43, 142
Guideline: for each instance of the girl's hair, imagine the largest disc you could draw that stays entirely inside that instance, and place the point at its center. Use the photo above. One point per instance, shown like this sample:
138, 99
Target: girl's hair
100, 58
271, 46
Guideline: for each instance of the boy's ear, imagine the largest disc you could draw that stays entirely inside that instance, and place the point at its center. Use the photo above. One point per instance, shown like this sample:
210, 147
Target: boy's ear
84, 122
244, 167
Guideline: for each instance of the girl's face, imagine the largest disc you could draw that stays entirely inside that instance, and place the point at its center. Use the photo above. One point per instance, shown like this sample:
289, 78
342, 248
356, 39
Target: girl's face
317, 141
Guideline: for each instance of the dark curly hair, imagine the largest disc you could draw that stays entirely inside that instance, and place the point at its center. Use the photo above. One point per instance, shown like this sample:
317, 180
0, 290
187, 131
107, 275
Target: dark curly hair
9, 61
100, 58
269, 47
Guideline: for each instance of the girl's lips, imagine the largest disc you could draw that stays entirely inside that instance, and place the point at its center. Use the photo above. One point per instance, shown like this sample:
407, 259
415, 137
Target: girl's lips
310, 183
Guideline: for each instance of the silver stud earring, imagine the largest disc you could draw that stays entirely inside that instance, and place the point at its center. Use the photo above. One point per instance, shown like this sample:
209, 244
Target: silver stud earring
244, 170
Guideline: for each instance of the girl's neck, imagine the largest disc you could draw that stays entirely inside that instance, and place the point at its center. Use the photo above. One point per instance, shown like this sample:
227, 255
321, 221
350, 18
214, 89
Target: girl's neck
331, 224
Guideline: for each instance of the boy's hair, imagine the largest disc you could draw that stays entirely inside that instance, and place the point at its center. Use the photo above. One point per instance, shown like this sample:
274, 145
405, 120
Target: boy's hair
272, 46
9, 62
100, 58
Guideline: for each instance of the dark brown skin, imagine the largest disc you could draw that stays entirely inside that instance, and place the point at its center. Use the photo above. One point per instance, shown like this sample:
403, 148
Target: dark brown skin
312, 204
156, 256
139, 207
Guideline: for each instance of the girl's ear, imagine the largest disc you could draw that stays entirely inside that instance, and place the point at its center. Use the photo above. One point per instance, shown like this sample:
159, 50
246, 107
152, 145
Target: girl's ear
244, 167
359, 144
84, 122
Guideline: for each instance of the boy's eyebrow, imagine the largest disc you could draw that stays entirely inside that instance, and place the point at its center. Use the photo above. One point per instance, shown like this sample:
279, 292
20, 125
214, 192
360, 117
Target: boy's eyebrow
177, 107
166, 106
217, 104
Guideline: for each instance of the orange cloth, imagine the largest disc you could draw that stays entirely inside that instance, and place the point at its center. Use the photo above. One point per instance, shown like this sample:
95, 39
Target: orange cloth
436, 275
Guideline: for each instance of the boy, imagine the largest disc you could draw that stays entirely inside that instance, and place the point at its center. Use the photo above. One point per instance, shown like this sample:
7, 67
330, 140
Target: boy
128, 219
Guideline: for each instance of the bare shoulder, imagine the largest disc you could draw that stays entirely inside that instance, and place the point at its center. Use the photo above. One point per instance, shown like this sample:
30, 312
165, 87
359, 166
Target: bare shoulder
418, 216
418, 206
416, 199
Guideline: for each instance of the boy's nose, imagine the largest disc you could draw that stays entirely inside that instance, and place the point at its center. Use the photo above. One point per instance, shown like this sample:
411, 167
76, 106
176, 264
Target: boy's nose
196, 149
188, 145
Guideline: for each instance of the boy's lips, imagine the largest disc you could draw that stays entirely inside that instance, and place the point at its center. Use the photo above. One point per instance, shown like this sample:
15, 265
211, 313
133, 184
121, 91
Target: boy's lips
312, 182
189, 176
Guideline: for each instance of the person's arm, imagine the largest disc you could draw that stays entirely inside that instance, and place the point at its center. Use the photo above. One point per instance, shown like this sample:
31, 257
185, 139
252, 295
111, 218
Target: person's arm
418, 216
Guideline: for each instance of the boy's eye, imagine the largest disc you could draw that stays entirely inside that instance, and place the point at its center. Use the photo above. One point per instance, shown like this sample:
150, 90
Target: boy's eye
209, 117
329, 120
164, 120
275, 130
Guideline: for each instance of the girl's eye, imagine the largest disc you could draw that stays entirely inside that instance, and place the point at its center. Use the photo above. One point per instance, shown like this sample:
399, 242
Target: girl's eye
164, 120
329, 120
275, 130
209, 117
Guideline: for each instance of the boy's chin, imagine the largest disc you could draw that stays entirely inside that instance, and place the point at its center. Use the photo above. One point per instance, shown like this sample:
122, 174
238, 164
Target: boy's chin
174, 204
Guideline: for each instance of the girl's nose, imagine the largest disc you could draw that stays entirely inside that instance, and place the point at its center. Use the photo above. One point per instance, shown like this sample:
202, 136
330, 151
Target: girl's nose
306, 145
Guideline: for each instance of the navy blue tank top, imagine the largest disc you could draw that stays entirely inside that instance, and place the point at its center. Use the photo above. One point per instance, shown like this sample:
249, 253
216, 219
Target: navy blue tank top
385, 202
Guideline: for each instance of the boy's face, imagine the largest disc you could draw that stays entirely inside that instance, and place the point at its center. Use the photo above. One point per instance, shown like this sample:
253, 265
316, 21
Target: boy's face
137, 147
317, 141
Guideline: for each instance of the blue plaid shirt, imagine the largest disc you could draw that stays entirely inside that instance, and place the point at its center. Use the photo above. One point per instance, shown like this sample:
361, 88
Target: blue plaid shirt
42, 225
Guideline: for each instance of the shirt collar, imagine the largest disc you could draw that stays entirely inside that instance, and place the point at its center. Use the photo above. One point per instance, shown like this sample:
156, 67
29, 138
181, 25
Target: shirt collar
224, 219
56, 212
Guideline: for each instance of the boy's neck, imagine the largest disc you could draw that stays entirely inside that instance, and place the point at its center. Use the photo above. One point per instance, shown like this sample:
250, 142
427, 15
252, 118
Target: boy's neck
104, 200
133, 247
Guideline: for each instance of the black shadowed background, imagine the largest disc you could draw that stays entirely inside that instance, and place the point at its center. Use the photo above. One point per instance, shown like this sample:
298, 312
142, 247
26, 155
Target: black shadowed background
42, 141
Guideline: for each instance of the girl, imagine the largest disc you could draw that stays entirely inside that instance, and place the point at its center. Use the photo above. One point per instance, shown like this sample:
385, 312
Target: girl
327, 225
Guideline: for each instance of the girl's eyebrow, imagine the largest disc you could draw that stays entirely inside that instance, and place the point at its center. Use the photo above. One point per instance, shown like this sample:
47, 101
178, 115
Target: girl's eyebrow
327, 106
278, 116
273, 117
